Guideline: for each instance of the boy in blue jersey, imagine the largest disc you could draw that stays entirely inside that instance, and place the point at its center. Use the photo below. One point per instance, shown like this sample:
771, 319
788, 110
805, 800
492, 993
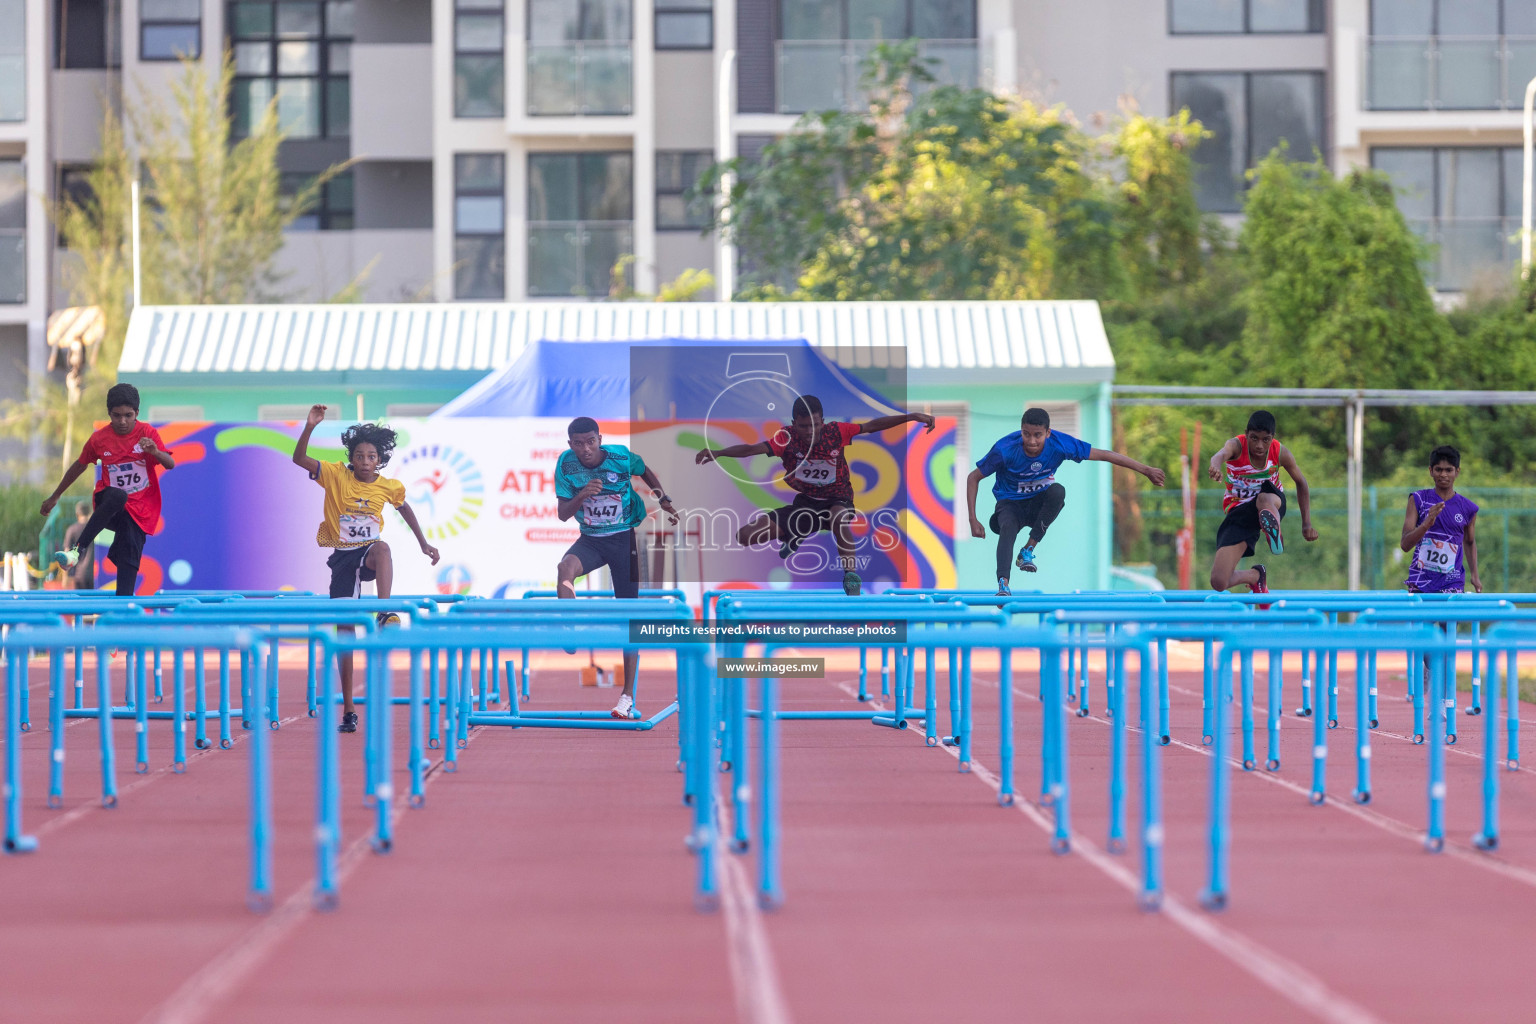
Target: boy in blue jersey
592, 483
1026, 489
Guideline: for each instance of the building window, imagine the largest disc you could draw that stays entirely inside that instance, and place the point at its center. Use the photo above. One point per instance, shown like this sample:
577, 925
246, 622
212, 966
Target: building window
74, 185
333, 209
891, 19
13, 232
298, 53
479, 75
170, 29
1248, 114
1450, 54
87, 34
677, 171
1463, 201
823, 44
1239, 17
580, 55
685, 24
13, 60
580, 221
479, 226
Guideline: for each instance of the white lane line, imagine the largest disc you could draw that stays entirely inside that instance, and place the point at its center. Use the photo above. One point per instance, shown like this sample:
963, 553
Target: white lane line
1286, 977
199, 995
1262, 711
754, 974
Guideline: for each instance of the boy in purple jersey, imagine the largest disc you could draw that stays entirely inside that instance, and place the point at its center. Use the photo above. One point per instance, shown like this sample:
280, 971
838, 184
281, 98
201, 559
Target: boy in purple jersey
1438, 530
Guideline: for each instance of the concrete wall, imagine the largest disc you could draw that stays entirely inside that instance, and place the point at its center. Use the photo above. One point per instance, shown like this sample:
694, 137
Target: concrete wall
1089, 53
321, 263
1077, 552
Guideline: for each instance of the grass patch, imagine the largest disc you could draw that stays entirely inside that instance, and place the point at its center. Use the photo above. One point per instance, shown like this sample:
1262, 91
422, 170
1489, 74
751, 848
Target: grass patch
1527, 685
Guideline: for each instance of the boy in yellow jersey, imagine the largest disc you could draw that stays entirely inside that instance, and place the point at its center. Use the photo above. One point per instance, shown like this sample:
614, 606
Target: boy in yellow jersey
355, 495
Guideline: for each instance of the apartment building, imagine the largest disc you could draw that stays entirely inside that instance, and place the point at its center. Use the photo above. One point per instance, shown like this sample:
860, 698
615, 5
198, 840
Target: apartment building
515, 149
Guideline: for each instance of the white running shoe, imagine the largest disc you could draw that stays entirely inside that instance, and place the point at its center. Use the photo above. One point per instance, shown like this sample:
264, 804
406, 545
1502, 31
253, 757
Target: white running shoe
625, 708
67, 559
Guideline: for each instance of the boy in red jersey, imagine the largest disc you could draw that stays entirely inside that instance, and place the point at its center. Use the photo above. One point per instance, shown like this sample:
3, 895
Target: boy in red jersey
127, 498
815, 467
1255, 502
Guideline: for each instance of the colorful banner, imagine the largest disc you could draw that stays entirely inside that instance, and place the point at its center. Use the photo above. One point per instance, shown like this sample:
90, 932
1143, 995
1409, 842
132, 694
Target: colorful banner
239, 514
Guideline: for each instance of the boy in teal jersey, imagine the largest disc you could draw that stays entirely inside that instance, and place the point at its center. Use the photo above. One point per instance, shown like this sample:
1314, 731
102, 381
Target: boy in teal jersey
593, 484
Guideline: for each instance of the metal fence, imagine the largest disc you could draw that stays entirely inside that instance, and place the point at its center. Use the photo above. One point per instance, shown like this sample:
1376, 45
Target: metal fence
1505, 533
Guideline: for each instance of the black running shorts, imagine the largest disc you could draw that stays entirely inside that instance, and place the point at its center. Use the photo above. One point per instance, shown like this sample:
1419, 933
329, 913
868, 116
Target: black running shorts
618, 552
348, 573
1241, 526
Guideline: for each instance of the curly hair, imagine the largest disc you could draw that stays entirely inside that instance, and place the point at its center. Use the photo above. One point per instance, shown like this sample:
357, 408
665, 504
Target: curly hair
376, 434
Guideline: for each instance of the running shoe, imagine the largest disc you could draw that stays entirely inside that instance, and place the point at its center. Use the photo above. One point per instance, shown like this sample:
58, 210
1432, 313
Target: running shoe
68, 559
625, 708
851, 583
1002, 587
388, 619
1261, 587
348, 722
1269, 523
1026, 559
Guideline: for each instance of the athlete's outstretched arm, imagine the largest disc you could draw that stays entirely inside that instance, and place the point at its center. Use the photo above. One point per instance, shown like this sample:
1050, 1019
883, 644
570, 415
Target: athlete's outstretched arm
972, 482
735, 451
409, 515
1228, 451
301, 456
70, 476
1157, 476
1469, 550
651, 481
1303, 494
880, 423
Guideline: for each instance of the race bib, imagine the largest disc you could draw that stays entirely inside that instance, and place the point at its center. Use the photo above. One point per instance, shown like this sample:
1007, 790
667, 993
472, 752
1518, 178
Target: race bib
816, 471
602, 510
1037, 484
132, 477
1436, 555
358, 529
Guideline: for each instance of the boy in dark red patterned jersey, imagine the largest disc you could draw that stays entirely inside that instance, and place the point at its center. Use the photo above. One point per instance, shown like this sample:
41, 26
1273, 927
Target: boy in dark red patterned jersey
127, 498
812, 453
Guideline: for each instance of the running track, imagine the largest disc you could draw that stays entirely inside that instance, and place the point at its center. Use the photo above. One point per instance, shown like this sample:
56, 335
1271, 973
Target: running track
547, 881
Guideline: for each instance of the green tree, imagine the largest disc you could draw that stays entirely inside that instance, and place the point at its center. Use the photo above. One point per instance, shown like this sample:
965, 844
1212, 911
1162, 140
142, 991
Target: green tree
962, 194
212, 221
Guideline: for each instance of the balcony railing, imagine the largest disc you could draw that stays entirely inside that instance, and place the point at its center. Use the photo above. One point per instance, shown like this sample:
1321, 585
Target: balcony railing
1470, 250
580, 78
823, 74
13, 266
575, 258
1448, 72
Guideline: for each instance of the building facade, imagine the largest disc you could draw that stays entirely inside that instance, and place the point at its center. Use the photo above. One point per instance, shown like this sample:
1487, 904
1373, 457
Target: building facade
510, 150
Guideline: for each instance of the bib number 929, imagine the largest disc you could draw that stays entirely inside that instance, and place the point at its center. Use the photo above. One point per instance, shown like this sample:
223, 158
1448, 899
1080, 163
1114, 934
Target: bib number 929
816, 471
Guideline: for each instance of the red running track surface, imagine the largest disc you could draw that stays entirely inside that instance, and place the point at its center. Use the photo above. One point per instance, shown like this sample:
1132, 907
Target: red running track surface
547, 881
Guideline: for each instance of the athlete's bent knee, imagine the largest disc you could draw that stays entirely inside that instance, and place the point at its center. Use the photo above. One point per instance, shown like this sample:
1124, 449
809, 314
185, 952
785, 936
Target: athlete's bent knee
1220, 581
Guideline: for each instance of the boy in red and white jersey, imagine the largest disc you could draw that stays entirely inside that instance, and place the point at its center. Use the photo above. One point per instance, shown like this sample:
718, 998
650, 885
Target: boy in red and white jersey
1255, 502
127, 498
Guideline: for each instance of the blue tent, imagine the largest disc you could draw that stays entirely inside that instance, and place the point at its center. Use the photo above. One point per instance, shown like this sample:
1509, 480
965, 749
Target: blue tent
667, 378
